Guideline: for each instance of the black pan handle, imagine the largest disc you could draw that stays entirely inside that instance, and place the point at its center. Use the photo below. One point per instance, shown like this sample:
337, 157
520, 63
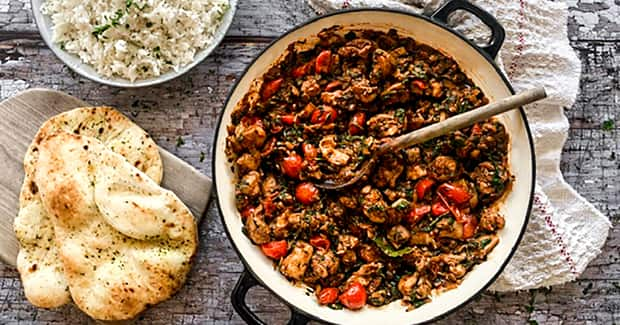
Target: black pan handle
497, 31
245, 282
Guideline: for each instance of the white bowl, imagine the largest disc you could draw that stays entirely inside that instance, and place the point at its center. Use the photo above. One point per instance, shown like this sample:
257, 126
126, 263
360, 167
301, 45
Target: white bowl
86, 70
476, 64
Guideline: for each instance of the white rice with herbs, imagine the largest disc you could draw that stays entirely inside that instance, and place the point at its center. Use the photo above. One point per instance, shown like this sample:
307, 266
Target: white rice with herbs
135, 39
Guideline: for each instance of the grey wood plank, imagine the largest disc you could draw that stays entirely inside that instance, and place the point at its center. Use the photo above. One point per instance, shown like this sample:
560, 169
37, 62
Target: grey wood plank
588, 20
187, 108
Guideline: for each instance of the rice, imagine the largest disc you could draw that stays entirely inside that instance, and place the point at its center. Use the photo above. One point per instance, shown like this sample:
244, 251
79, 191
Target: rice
134, 39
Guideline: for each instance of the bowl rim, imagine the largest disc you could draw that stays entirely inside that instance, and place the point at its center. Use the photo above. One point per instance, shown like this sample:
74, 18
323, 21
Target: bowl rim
218, 128
199, 57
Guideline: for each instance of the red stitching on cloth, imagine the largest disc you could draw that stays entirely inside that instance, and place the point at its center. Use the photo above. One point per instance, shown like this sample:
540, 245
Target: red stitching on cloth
519, 48
558, 236
346, 4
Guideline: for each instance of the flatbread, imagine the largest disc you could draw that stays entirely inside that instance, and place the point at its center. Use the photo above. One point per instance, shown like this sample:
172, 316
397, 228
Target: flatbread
37, 262
125, 243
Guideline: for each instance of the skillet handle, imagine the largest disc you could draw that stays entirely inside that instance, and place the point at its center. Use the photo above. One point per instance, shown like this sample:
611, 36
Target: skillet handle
497, 31
245, 282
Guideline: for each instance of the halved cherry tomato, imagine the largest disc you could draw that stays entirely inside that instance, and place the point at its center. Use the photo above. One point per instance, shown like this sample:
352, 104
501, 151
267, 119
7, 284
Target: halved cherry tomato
354, 297
419, 83
271, 88
291, 165
469, 226
323, 62
423, 186
268, 206
333, 85
275, 249
326, 114
306, 193
356, 125
416, 214
455, 194
328, 296
476, 129
439, 209
319, 241
302, 70
310, 151
288, 119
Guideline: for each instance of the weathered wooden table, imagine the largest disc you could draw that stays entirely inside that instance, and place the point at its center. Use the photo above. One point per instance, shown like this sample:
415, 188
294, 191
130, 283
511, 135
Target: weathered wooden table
181, 116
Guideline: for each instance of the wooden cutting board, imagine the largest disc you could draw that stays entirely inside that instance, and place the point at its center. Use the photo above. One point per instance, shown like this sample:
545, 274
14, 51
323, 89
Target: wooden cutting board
20, 119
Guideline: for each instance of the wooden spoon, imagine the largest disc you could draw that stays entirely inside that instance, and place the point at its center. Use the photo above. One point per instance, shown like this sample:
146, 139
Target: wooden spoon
438, 129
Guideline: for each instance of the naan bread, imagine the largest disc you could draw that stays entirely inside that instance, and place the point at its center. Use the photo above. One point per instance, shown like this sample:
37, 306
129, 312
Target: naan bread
124, 242
37, 262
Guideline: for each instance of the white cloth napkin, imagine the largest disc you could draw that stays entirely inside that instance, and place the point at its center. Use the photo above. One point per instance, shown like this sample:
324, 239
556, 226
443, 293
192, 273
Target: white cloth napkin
565, 231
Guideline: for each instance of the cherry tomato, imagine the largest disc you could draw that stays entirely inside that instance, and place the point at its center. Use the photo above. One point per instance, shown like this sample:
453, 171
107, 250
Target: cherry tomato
356, 125
326, 114
323, 62
310, 151
306, 193
291, 165
328, 296
419, 83
423, 186
302, 70
476, 129
319, 241
439, 209
455, 194
469, 226
333, 85
288, 119
275, 249
354, 297
270, 88
416, 214
268, 206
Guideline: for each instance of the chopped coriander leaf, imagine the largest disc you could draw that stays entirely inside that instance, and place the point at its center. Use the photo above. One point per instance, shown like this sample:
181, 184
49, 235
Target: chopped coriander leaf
180, 142
608, 125
485, 242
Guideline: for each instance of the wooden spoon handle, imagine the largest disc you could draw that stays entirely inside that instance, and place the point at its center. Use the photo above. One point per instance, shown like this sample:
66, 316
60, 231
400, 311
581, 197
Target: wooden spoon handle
464, 120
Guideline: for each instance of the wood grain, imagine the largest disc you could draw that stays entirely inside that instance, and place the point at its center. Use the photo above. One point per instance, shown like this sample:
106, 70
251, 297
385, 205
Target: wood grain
187, 108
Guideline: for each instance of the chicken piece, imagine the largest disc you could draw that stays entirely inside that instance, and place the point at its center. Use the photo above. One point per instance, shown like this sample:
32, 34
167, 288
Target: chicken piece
349, 257
436, 89
417, 258
335, 209
270, 185
422, 238
363, 91
250, 136
357, 48
248, 162
444, 168
395, 93
407, 284
338, 98
491, 220
413, 155
349, 202
284, 224
491, 180
385, 125
388, 172
366, 273
256, 228
250, 184
310, 88
378, 298
324, 263
345, 243
373, 205
424, 288
382, 65
369, 253
294, 265
336, 157
398, 235
416, 172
